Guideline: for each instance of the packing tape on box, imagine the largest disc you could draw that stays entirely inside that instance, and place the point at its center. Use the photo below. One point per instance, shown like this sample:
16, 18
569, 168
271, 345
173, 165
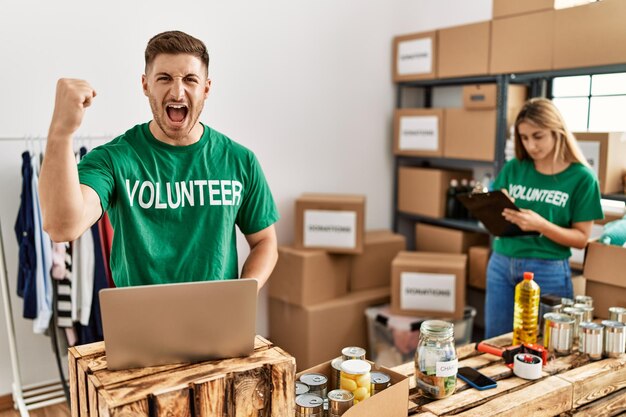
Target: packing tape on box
527, 366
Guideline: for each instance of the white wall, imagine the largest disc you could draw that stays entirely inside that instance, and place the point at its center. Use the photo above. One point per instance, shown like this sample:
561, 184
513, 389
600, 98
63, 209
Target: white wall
305, 84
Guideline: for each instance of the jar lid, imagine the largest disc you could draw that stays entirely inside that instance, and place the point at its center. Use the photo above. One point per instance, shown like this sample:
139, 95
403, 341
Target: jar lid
356, 366
437, 328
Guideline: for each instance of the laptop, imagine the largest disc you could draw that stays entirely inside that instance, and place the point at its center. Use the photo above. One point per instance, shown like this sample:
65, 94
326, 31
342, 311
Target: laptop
154, 325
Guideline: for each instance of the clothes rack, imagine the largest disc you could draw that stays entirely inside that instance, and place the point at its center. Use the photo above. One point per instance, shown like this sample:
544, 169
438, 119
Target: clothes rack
45, 393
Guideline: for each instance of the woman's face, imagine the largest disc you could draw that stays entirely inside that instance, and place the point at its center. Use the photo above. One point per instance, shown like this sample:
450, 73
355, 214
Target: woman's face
538, 142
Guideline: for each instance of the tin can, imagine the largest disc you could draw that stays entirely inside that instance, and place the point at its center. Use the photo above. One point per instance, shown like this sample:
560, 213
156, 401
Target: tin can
335, 372
567, 302
356, 378
301, 388
309, 405
380, 381
584, 299
548, 304
614, 338
591, 339
318, 383
353, 352
587, 311
577, 314
617, 314
558, 333
339, 400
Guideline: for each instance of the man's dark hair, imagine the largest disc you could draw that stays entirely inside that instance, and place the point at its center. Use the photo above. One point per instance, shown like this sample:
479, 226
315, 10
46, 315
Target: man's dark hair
176, 42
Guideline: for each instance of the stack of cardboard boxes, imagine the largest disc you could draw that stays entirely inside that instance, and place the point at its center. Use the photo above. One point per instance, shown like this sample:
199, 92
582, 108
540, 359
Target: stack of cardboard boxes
323, 283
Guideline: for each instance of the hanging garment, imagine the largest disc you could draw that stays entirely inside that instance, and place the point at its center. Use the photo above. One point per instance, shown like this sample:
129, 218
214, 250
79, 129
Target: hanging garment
106, 240
24, 232
61, 271
43, 248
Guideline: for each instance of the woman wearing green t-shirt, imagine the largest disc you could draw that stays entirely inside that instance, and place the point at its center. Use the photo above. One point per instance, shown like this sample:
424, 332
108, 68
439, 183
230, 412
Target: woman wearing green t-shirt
559, 198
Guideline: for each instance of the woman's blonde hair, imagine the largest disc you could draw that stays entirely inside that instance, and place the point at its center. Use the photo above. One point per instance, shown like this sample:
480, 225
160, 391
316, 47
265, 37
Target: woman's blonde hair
542, 113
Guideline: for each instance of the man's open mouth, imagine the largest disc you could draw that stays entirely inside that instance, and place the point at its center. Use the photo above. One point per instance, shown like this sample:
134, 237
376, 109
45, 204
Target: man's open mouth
176, 112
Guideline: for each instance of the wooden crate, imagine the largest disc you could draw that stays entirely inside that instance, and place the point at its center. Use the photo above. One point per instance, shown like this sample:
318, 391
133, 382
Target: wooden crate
262, 384
570, 386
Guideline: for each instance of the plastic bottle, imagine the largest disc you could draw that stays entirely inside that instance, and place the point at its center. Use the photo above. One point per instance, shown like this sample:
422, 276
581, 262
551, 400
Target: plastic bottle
526, 310
451, 203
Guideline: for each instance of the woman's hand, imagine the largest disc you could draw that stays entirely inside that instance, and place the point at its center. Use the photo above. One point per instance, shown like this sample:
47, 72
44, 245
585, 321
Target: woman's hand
527, 220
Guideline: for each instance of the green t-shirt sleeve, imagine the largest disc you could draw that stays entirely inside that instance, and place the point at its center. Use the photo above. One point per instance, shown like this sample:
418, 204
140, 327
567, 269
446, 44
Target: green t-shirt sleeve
95, 171
258, 209
587, 199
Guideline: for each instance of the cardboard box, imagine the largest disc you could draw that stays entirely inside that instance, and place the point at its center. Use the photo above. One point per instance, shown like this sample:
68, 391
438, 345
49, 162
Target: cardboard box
428, 284
590, 35
478, 261
578, 255
418, 132
391, 402
422, 191
605, 296
305, 277
429, 238
317, 333
605, 153
485, 97
414, 57
470, 134
579, 282
522, 43
333, 222
502, 8
606, 264
463, 50
372, 268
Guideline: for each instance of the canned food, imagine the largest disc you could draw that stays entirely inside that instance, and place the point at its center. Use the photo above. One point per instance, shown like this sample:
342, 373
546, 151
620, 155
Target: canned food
548, 304
567, 302
577, 314
614, 338
356, 378
587, 311
353, 352
339, 400
558, 333
591, 340
583, 299
617, 314
335, 372
309, 405
318, 383
380, 381
301, 388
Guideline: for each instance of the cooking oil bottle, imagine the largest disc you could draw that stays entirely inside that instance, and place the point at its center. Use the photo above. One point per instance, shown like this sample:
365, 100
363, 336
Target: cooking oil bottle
526, 310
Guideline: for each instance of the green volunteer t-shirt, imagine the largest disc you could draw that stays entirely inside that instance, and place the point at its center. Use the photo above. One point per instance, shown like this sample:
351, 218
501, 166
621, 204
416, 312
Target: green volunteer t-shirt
568, 197
174, 208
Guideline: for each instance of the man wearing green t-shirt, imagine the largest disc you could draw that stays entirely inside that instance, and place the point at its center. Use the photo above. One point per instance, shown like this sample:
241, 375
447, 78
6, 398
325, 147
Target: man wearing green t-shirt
174, 188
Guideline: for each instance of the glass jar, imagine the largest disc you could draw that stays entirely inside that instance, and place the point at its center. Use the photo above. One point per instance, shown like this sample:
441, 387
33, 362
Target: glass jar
356, 378
436, 362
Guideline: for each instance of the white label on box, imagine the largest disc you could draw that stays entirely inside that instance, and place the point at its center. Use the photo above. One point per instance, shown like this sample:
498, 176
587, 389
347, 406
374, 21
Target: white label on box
415, 57
591, 151
419, 133
333, 228
428, 291
445, 369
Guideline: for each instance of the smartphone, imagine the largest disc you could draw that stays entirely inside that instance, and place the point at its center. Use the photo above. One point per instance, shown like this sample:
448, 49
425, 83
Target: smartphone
475, 378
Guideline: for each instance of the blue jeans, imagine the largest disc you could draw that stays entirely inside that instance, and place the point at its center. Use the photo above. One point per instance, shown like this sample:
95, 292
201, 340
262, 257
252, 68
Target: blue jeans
503, 274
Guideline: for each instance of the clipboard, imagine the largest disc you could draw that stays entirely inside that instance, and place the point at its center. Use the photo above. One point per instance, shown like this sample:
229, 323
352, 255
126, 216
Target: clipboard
488, 207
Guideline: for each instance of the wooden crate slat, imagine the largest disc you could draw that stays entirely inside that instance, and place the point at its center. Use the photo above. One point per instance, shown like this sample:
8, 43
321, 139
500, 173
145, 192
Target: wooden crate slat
92, 395
596, 379
283, 388
172, 402
209, 397
91, 349
83, 397
611, 405
136, 409
73, 387
250, 393
548, 397
103, 400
